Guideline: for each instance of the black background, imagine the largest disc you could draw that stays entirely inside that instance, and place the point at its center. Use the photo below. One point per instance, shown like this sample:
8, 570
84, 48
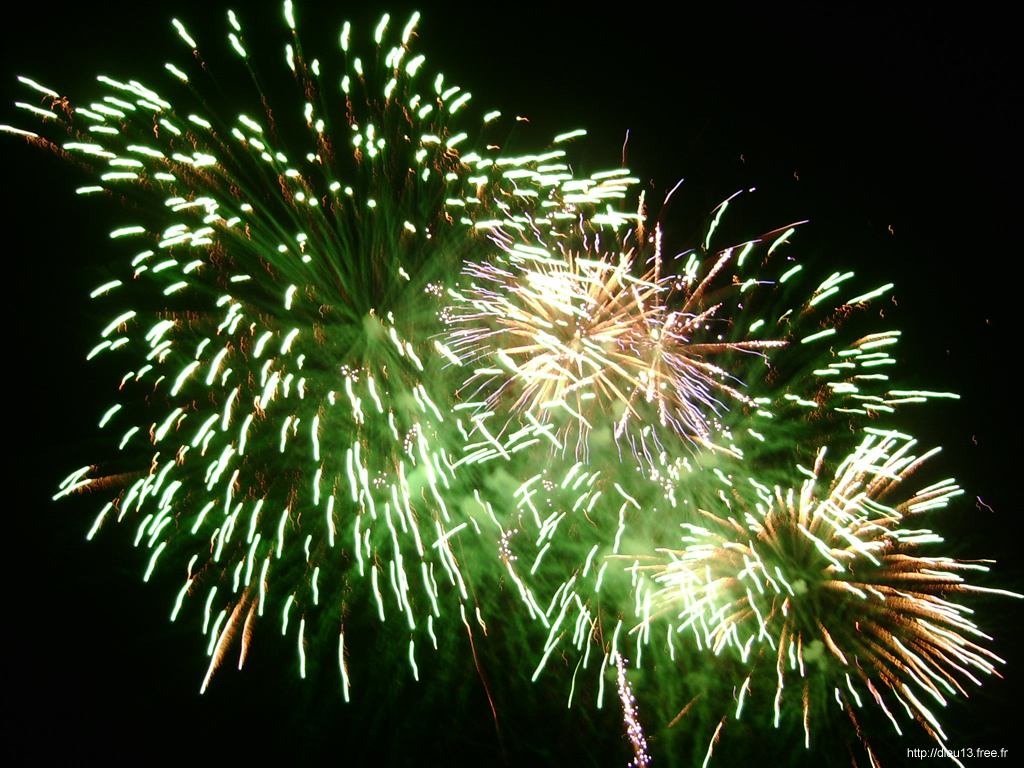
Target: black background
894, 131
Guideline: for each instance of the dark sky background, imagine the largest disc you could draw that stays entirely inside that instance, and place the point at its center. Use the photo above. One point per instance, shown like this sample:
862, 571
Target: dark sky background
895, 132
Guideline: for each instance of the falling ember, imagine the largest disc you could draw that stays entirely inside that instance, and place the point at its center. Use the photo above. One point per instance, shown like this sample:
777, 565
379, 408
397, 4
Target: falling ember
634, 731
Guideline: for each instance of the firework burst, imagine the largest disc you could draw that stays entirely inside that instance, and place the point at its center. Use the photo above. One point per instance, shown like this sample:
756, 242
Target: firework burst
827, 582
579, 322
592, 325
296, 412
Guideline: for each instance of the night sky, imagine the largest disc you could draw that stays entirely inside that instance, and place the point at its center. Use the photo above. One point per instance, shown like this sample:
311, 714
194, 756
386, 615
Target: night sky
896, 134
